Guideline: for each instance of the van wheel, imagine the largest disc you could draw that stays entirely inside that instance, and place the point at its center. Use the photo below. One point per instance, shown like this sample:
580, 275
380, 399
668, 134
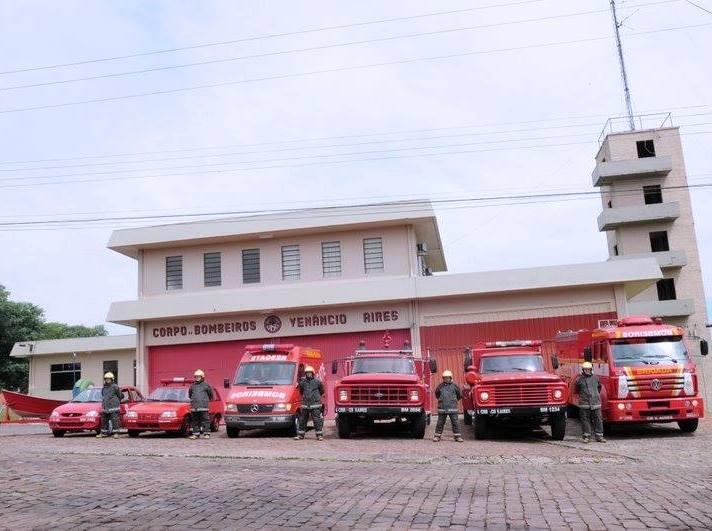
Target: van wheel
417, 428
558, 426
481, 428
294, 428
466, 418
343, 426
133, 433
232, 432
689, 425
60, 433
215, 424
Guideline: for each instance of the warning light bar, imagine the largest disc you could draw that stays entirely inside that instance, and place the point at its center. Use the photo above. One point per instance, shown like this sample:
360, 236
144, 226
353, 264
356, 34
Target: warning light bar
514, 343
270, 347
176, 379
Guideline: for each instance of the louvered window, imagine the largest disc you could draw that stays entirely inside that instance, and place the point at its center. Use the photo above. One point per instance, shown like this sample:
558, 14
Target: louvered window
331, 258
291, 262
174, 272
373, 254
250, 266
212, 274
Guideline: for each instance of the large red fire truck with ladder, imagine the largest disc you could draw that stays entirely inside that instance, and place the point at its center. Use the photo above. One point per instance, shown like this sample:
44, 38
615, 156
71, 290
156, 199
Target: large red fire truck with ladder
383, 385
645, 369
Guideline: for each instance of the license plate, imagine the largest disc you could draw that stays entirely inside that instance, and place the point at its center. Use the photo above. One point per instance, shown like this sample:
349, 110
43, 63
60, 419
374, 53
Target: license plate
495, 411
661, 417
351, 410
550, 409
410, 410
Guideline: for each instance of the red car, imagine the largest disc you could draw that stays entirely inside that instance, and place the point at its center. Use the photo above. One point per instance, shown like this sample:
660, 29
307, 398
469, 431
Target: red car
167, 409
83, 412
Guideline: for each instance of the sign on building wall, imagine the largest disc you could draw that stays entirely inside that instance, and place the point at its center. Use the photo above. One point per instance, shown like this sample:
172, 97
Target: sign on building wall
278, 324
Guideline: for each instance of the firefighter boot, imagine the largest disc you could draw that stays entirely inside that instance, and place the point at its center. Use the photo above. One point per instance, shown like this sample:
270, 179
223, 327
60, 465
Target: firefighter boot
116, 435
299, 437
101, 436
205, 436
601, 439
193, 436
458, 438
436, 437
587, 438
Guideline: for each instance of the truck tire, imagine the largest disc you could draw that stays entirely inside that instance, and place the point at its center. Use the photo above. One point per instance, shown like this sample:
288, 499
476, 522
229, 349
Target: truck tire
481, 428
232, 431
689, 425
572, 411
558, 426
343, 426
133, 433
417, 428
466, 418
58, 433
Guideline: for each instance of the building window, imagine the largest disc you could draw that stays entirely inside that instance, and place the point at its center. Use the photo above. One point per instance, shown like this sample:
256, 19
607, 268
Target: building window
653, 194
615, 250
212, 274
250, 266
646, 148
331, 258
659, 241
174, 272
666, 289
63, 376
111, 366
372, 254
291, 262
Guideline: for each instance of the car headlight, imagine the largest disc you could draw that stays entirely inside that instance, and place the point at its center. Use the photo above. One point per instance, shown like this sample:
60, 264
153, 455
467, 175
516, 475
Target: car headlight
54, 415
558, 393
414, 395
131, 415
688, 386
92, 414
282, 407
168, 415
343, 395
484, 396
622, 387
230, 407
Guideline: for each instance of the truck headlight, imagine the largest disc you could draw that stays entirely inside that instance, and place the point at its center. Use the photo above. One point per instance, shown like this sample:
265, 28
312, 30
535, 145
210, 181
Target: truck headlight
230, 407
688, 386
131, 415
414, 395
343, 395
558, 394
282, 407
622, 387
92, 414
168, 415
484, 396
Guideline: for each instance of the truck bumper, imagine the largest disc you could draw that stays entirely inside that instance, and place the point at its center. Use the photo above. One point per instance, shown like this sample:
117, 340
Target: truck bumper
657, 410
249, 422
517, 411
380, 411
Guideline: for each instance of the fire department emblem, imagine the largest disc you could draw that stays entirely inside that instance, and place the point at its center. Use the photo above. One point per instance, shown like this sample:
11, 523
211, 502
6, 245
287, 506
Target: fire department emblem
273, 324
656, 385
254, 408
378, 395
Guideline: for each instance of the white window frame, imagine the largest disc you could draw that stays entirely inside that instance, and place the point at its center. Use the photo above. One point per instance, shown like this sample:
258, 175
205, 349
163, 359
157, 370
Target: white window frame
373, 255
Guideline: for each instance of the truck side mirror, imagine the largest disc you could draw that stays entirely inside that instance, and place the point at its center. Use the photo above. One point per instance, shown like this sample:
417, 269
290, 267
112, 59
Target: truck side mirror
226, 383
334, 367
433, 365
704, 347
555, 362
587, 354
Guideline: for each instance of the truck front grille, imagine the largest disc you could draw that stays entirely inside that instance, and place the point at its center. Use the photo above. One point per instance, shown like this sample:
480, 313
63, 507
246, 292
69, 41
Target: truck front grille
531, 394
663, 384
378, 394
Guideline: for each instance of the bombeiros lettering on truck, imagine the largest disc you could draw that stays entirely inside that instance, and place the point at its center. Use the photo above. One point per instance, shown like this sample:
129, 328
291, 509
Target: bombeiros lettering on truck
644, 366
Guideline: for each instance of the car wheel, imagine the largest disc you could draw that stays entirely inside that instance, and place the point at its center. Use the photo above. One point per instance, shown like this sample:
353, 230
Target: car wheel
58, 433
558, 426
417, 428
185, 427
232, 432
133, 433
343, 426
689, 425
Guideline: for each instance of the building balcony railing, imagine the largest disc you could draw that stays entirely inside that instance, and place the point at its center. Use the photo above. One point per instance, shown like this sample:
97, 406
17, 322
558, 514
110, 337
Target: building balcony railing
622, 170
613, 218
672, 308
666, 259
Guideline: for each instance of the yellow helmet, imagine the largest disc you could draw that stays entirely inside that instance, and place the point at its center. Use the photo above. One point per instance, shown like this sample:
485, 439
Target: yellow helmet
200, 373
587, 365
109, 375
310, 369
447, 374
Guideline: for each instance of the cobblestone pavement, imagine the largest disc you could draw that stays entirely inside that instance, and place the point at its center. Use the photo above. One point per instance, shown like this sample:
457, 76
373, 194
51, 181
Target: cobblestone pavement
652, 477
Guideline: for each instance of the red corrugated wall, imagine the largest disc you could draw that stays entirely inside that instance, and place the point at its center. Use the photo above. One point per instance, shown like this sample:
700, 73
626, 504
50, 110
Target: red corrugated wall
219, 359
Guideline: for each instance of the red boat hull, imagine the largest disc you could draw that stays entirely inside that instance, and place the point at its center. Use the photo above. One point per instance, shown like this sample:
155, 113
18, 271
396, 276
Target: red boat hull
31, 406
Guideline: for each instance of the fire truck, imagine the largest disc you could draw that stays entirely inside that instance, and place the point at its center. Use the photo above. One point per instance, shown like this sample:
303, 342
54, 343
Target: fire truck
645, 369
383, 385
264, 394
513, 381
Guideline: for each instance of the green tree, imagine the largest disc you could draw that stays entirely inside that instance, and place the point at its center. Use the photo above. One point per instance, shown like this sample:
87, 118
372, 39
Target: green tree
23, 321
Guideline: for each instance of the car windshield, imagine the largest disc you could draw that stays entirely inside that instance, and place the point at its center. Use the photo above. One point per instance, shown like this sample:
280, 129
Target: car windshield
524, 362
649, 351
88, 395
169, 394
266, 373
391, 365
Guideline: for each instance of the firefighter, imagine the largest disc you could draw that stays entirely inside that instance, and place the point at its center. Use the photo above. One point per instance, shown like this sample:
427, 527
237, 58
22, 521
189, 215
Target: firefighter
200, 394
110, 405
311, 390
448, 394
588, 387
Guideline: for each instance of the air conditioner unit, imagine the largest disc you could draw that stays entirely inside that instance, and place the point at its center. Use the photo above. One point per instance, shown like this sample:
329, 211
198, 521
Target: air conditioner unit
422, 248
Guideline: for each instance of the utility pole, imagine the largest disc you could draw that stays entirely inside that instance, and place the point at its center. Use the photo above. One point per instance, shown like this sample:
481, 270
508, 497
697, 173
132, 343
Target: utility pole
616, 27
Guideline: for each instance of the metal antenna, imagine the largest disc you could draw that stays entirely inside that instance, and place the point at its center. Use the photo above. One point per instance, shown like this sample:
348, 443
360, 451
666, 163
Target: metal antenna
629, 105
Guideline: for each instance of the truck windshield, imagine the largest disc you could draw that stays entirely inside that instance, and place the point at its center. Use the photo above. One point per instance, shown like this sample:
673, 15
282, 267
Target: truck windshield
648, 351
169, 394
265, 373
88, 395
525, 362
390, 365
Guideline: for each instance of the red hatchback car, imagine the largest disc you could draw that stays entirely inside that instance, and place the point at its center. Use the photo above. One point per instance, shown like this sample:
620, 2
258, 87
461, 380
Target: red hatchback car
83, 412
167, 408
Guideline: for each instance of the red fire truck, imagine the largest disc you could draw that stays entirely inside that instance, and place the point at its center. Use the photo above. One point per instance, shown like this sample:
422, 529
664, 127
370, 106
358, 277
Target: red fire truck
646, 372
383, 385
264, 394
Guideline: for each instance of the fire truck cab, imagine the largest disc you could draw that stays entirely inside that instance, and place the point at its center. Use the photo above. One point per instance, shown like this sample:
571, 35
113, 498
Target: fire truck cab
264, 393
383, 385
513, 381
645, 370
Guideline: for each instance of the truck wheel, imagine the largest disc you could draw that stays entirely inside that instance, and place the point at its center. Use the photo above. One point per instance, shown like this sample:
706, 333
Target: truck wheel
60, 433
232, 432
343, 426
572, 412
417, 428
481, 428
558, 426
133, 433
689, 425
466, 418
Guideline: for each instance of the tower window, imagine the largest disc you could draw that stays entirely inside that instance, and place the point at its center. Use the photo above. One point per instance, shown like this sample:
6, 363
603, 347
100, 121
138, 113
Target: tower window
646, 148
666, 289
659, 241
653, 194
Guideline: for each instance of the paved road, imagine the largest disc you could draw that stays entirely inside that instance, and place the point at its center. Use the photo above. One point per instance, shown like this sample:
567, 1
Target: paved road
645, 477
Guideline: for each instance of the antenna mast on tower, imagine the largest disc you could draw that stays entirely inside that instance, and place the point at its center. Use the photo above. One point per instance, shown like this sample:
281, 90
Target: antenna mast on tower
628, 104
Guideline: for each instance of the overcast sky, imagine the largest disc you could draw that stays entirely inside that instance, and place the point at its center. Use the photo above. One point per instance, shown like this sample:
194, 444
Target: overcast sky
525, 120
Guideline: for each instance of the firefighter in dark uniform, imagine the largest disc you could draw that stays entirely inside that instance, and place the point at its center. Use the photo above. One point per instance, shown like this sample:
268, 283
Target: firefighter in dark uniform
200, 394
110, 405
311, 390
588, 387
448, 394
